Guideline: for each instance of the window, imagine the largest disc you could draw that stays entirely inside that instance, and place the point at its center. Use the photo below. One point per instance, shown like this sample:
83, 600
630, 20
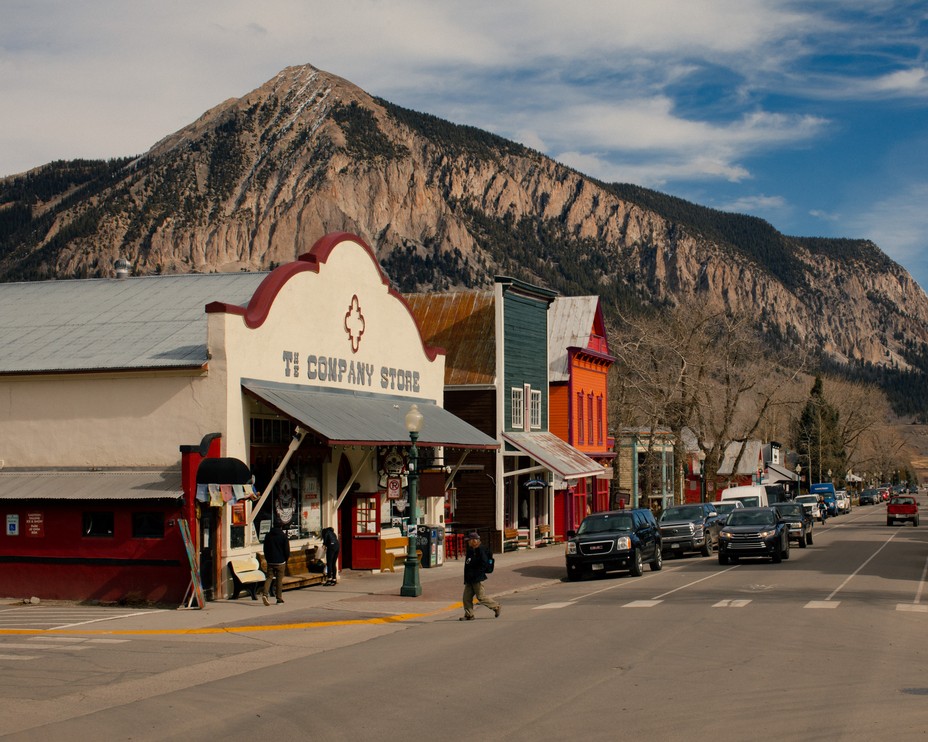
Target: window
589, 420
98, 524
518, 408
535, 413
580, 427
599, 419
148, 525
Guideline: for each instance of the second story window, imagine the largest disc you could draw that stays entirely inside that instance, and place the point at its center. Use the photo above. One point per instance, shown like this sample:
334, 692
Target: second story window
580, 427
589, 421
599, 420
535, 410
518, 407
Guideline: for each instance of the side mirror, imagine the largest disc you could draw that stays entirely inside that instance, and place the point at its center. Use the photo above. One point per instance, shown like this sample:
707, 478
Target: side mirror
571, 534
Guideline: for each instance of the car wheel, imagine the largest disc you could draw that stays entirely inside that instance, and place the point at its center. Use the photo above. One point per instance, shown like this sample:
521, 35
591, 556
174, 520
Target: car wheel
777, 556
706, 549
809, 538
637, 565
915, 522
658, 562
573, 576
722, 558
803, 540
786, 550
889, 522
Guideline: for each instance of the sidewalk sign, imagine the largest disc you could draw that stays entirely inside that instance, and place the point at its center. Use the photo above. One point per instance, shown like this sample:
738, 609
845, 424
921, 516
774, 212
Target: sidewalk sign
195, 588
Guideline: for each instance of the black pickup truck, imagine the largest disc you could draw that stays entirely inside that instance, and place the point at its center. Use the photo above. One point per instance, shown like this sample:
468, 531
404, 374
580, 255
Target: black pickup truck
686, 528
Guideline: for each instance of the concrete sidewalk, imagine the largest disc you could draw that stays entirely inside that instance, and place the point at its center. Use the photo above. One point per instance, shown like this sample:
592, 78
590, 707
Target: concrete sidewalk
359, 597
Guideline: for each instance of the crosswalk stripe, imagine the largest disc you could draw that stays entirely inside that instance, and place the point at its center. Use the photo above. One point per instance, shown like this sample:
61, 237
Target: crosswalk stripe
551, 605
912, 607
822, 604
642, 604
737, 603
16, 657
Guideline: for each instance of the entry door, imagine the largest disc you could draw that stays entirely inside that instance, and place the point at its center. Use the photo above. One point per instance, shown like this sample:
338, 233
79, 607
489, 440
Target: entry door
209, 535
365, 531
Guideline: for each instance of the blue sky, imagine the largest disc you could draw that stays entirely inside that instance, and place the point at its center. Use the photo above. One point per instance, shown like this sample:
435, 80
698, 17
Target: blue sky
811, 115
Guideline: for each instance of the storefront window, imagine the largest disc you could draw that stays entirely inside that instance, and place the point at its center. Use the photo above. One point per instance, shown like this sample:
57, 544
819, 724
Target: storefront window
295, 504
98, 524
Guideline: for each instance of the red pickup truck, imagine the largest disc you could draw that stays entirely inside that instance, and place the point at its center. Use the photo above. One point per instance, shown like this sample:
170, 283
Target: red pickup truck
903, 508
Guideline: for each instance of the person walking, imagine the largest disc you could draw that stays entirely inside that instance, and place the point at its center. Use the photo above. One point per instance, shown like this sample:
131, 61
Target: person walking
276, 553
475, 573
331, 546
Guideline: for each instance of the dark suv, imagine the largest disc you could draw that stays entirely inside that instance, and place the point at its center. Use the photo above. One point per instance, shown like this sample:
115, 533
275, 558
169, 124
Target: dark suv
754, 532
799, 520
692, 527
615, 540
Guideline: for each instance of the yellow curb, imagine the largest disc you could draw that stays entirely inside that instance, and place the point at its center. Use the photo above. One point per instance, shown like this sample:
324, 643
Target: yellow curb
229, 629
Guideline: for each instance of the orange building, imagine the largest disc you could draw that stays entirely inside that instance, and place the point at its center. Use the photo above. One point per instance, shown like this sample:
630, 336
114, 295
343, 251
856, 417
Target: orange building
578, 369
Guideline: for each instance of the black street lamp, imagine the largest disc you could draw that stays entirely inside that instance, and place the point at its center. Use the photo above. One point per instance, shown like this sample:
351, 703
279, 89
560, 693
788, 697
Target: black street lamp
411, 587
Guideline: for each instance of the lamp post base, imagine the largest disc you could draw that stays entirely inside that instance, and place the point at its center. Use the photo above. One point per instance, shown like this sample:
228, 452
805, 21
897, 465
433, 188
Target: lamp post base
411, 587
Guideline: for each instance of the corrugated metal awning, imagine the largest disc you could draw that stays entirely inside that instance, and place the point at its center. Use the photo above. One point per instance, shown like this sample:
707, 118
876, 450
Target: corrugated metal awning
556, 455
130, 484
777, 473
347, 418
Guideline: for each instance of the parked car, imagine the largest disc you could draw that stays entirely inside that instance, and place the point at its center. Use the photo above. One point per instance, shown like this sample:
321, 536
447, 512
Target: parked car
810, 503
902, 507
693, 527
869, 497
799, 520
843, 501
724, 508
614, 540
754, 532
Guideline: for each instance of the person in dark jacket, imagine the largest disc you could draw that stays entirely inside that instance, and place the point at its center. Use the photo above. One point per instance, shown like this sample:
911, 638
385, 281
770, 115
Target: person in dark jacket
331, 546
276, 553
475, 573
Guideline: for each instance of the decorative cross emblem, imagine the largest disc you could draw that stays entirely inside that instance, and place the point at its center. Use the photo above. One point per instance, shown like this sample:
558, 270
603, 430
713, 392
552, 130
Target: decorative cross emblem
354, 323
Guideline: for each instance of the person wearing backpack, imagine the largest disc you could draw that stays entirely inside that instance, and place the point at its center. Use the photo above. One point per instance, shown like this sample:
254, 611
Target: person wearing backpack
477, 563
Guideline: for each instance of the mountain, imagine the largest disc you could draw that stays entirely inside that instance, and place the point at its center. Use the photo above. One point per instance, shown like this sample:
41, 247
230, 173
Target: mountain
256, 180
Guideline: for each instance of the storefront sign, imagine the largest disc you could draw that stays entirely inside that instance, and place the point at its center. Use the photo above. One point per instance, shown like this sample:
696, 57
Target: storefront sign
35, 525
12, 525
335, 370
238, 514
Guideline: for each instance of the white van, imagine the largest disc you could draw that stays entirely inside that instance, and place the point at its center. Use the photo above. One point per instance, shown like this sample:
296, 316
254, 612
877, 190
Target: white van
751, 495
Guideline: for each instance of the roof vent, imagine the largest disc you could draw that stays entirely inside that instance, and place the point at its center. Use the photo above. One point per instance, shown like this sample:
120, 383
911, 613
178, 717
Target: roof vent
121, 266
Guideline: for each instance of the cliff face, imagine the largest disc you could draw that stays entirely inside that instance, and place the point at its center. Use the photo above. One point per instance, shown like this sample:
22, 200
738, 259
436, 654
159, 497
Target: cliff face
257, 180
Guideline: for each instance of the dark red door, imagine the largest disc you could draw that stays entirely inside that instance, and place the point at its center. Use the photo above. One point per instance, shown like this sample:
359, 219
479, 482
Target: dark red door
365, 531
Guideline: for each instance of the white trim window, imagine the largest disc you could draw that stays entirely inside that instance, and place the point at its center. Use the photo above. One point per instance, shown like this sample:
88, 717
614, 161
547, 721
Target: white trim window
517, 403
535, 409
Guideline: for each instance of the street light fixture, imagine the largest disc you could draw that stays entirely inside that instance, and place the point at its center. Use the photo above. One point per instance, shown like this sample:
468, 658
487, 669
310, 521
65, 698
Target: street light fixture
411, 587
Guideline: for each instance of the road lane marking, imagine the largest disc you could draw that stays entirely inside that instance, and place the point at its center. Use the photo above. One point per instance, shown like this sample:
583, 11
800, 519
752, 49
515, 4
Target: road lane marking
735, 603
551, 605
642, 604
694, 582
828, 603
853, 574
912, 608
16, 657
59, 647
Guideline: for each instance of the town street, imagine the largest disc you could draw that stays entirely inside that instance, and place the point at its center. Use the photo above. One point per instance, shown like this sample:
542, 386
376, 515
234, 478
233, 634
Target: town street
827, 645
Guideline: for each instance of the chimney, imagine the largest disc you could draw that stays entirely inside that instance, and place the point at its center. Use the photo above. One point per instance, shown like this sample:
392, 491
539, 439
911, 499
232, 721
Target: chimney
121, 266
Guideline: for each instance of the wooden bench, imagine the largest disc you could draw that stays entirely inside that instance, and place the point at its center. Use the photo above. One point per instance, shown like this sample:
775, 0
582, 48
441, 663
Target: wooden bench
298, 573
246, 575
510, 539
393, 546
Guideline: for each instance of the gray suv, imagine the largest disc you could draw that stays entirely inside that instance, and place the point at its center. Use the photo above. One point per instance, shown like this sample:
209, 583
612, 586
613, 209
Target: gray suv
615, 540
693, 527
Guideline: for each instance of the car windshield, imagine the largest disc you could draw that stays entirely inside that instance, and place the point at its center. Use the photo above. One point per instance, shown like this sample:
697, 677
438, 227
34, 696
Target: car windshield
812, 499
751, 518
902, 501
606, 523
725, 507
794, 510
685, 512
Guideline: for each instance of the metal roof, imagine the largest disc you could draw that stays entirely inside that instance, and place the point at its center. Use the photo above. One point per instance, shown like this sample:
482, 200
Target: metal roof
355, 418
113, 324
132, 484
555, 455
750, 460
464, 324
570, 323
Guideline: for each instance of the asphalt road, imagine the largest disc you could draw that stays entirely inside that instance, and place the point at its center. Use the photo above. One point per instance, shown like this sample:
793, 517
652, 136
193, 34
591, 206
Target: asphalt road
828, 645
